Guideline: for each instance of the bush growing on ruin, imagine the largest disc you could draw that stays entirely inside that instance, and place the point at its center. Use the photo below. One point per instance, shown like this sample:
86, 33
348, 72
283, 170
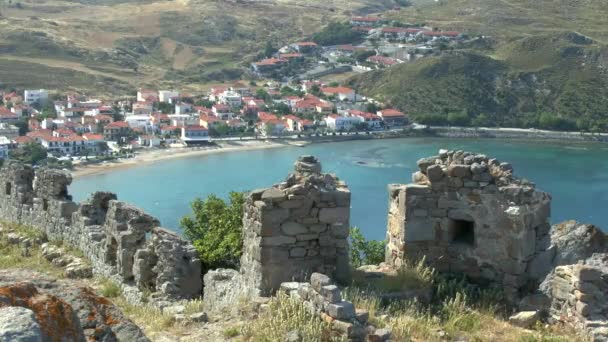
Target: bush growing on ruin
214, 228
364, 252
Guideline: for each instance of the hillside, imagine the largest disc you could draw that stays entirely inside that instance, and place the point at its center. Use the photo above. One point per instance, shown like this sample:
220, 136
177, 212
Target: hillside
530, 72
112, 45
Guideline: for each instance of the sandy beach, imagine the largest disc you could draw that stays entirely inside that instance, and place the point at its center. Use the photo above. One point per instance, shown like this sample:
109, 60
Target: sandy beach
156, 155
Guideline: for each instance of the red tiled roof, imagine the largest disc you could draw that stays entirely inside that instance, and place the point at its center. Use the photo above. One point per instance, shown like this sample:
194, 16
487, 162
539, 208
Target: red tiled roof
336, 90
382, 60
195, 128
117, 124
391, 112
290, 55
306, 44
91, 136
270, 61
441, 33
23, 140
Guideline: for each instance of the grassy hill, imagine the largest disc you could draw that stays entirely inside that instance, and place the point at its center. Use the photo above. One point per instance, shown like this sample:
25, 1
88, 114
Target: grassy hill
530, 72
127, 43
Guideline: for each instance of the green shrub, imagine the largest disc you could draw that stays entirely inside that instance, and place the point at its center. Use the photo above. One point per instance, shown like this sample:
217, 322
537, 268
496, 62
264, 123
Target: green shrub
109, 289
215, 230
365, 252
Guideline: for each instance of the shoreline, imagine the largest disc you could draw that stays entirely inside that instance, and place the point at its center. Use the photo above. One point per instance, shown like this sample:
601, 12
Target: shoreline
226, 146
152, 156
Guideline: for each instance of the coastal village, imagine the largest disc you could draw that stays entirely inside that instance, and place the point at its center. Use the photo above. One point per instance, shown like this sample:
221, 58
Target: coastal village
284, 99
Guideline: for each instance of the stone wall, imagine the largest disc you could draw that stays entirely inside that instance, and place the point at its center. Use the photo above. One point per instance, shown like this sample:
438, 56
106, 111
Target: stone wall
578, 295
467, 214
121, 241
295, 228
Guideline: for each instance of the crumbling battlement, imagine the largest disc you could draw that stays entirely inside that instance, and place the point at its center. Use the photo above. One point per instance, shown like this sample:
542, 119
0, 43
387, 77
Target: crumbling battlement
468, 214
121, 241
296, 228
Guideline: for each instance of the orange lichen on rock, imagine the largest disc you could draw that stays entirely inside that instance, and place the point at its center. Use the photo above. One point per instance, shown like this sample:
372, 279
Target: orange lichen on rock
56, 317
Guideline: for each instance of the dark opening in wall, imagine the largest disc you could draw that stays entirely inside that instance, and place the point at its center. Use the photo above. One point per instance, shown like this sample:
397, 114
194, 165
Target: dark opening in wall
111, 250
462, 232
8, 188
45, 204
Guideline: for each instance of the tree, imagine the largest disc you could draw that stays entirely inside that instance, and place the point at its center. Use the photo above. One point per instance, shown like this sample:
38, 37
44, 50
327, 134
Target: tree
269, 50
336, 33
458, 119
165, 108
372, 108
262, 94
204, 103
32, 153
269, 129
364, 252
215, 230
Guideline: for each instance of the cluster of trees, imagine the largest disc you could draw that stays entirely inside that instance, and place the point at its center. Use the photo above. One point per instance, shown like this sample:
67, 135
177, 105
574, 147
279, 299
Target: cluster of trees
215, 229
544, 120
337, 33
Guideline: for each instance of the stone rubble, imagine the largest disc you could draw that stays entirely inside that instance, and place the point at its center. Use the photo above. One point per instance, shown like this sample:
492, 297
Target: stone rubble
323, 298
122, 242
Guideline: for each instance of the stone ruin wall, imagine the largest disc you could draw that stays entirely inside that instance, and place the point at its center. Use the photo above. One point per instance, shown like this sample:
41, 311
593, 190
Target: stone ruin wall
122, 242
578, 293
295, 228
467, 214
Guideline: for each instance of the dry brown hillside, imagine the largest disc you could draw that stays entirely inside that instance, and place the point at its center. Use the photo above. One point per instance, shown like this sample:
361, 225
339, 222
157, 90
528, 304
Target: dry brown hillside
113, 45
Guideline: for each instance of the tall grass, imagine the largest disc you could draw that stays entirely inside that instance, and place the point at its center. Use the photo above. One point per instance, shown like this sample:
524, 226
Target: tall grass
286, 314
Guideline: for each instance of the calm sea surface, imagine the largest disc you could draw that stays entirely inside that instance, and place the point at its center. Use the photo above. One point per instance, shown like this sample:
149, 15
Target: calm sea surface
575, 174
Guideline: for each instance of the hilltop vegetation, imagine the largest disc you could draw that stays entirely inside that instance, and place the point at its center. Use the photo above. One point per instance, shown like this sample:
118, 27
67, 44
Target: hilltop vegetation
527, 70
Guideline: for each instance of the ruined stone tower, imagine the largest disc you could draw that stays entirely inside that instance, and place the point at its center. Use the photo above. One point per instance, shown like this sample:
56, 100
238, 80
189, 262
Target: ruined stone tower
468, 214
295, 228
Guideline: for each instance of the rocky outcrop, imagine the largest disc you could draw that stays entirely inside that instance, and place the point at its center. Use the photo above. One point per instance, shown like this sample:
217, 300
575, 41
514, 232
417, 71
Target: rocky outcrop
322, 297
468, 214
122, 242
51, 310
295, 228
566, 243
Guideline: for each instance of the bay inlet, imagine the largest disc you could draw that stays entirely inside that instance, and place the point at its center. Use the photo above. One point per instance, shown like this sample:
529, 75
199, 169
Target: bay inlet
575, 174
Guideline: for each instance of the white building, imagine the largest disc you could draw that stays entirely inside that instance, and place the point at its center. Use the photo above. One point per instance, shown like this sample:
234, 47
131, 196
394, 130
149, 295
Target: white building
4, 147
231, 98
183, 120
194, 134
341, 123
166, 95
35, 96
183, 108
139, 121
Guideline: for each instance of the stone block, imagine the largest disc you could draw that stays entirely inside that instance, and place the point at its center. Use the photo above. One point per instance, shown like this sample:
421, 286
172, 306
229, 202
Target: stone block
334, 215
361, 316
331, 293
340, 230
343, 311
318, 280
435, 173
297, 252
318, 228
415, 189
307, 237
459, 170
419, 230
293, 228
278, 240
524, 319
273, 195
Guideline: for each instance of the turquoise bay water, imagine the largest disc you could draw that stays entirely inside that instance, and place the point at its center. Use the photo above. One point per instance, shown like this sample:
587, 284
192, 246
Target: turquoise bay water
575, 174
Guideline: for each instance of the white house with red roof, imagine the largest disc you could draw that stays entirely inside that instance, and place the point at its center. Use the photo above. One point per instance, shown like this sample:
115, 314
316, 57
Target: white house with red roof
372, 120
167, 96
393, 117
142, 108
6, 116
116, 130
382, 61
147, 95
305, 47
340, 93
192, 135
230, 98
341, 123
222, 111
366, 21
